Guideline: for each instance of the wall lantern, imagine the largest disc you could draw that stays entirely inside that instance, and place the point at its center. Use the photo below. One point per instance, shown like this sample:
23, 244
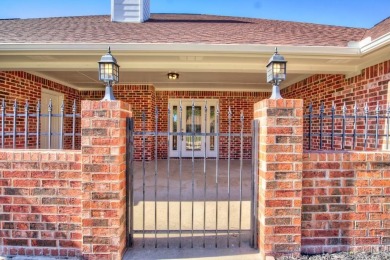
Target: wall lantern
108, 73
173, 75
276, 73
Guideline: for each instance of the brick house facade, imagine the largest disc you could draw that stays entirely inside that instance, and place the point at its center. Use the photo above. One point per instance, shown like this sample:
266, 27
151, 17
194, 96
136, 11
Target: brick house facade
371, 87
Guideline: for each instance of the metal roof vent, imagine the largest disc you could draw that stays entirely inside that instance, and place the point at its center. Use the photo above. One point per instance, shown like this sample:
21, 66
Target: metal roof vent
130, 11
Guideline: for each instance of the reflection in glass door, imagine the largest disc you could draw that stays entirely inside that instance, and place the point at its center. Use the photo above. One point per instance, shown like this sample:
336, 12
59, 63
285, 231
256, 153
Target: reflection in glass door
198, 119
193, 125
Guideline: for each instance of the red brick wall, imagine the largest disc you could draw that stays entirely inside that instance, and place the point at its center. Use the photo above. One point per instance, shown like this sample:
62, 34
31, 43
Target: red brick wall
370, 87
142, 99
40, 203
104, 179
65, 202
69, 203
280, 176
346, 201
22, 86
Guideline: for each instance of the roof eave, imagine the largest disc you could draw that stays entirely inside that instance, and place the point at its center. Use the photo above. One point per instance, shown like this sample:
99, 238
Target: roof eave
179, 47
376, 44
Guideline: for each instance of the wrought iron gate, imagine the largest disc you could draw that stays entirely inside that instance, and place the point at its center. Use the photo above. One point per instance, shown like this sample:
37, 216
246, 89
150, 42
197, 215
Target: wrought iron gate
196, 201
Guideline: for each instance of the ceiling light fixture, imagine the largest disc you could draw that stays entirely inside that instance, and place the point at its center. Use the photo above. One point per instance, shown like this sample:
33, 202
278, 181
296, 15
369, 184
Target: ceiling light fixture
173, 75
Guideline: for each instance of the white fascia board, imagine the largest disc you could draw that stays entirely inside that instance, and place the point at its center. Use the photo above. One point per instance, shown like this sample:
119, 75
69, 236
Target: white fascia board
377, 43
187, 47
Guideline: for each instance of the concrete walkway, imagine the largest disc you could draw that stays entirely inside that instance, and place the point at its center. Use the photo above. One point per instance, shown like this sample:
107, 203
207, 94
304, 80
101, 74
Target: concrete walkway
151, 254
195, 253
37, 258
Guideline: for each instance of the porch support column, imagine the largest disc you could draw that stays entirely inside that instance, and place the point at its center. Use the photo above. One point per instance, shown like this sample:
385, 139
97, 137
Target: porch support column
280, 176
103, 145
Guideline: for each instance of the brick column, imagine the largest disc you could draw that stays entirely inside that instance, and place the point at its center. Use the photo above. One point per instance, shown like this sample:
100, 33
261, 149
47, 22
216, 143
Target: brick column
280, 176
103, 144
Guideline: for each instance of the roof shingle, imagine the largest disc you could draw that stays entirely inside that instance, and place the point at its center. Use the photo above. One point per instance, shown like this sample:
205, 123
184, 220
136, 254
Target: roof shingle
180, 28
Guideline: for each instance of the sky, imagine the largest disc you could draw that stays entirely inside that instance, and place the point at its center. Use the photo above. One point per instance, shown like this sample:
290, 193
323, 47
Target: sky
351, 13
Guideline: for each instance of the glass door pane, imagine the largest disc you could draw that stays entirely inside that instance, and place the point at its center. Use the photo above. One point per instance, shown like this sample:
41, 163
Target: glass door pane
212, 127
175, 130
193, 124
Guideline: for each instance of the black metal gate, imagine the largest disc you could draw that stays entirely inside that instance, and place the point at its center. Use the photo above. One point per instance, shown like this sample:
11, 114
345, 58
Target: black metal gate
191, 201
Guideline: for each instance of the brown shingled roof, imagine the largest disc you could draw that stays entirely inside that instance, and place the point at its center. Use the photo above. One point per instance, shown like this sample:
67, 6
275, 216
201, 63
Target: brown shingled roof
379, 29
177, 28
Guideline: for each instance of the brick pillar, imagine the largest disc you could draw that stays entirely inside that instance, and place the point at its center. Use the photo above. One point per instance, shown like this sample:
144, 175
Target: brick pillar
103, 145
280, 176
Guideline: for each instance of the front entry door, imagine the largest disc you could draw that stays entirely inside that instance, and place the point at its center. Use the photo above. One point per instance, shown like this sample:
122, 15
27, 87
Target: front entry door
193, 116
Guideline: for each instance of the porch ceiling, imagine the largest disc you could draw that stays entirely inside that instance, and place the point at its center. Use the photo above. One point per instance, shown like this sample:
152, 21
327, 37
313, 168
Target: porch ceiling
219, 67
